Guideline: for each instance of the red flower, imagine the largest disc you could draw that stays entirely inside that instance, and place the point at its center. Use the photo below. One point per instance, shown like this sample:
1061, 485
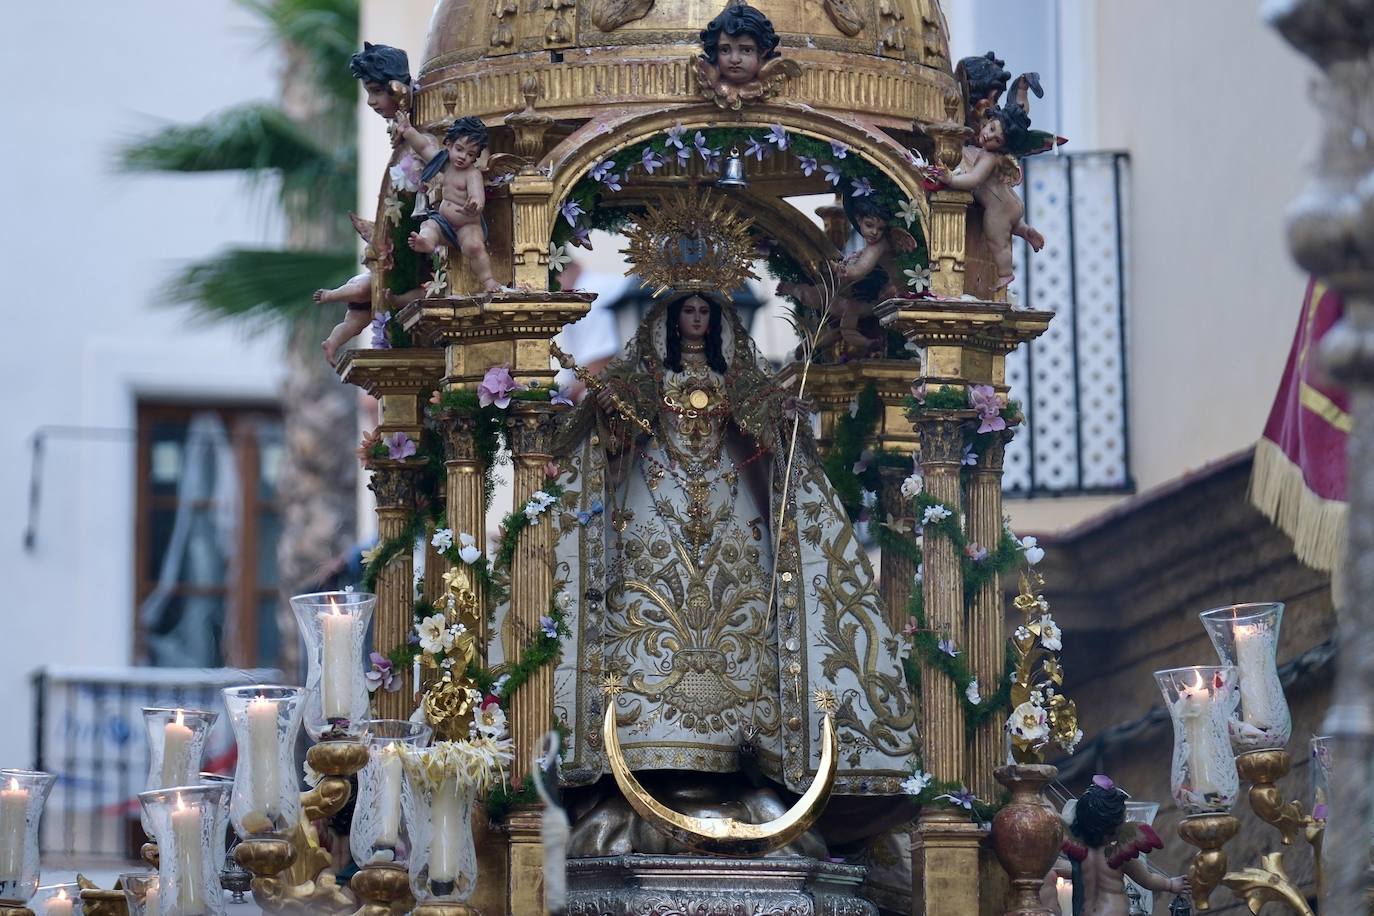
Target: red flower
490, 700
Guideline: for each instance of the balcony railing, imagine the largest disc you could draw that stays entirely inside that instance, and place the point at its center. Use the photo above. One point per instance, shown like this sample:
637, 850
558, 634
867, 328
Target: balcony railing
1072, 381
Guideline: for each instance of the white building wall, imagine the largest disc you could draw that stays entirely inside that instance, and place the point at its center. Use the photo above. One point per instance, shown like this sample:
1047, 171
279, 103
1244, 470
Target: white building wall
84, 252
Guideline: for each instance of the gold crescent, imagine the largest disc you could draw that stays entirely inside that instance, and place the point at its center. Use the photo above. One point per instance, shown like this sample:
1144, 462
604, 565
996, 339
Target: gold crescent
723, 835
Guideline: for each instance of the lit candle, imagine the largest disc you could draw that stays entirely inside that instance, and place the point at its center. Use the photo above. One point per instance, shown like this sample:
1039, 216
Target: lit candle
338, 664
14, 812
1252, 658
1063, 889
262, 754
446, 815
61, 905
389, 795
1193, 714
176, 747
190, 860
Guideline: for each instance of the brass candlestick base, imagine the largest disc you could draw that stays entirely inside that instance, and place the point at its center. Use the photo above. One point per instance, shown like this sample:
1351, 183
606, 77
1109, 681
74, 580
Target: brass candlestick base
1262, 769
382, 890
446, 908
1268, 883
1208, 832
265, 856
14, 909
98, 902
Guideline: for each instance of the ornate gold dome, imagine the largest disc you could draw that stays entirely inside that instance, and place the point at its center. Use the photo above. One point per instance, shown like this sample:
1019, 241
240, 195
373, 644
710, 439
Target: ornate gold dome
884, 60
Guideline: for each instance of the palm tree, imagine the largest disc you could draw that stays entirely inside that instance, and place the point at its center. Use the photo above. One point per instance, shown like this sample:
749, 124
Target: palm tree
306, 142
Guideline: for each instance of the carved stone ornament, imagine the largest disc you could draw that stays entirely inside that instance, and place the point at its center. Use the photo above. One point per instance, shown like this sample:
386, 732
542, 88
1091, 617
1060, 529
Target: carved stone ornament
393, 483
771, 76
845, 16
609, 15
942, 439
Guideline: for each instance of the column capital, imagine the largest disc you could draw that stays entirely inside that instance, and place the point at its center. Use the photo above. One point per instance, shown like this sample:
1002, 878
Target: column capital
529, 428
394, 482
941, 434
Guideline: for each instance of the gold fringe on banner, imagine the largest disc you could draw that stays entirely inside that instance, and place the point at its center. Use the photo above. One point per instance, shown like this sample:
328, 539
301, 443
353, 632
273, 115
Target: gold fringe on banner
1316, 525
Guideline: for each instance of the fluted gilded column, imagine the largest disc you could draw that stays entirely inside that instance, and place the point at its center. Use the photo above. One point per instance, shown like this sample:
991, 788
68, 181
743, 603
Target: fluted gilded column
987, 652
1330, 231
465, 509
393, 483
897, 574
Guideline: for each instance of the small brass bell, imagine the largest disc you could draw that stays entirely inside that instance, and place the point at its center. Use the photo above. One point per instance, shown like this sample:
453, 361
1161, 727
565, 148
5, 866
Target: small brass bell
733, 174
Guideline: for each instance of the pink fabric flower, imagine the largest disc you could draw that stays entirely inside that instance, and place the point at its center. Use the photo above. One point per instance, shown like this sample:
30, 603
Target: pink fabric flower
496, 387
984, 400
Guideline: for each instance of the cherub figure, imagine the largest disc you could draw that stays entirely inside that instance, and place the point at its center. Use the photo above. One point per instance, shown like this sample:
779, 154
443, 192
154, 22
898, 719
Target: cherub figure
458, 219
990, 170
357, 292
983, 81
740, 61
1101, 847
385, 75
863, 279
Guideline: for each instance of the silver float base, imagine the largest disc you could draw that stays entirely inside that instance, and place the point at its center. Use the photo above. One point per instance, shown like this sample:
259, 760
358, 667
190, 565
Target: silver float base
640, 885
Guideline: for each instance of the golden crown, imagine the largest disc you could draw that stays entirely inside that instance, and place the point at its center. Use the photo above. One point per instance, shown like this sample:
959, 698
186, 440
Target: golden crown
691, 242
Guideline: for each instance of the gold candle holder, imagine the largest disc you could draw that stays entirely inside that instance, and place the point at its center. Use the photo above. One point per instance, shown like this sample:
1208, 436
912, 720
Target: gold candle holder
1209, 833
381, 886
1263, 769
14, 909
446, 908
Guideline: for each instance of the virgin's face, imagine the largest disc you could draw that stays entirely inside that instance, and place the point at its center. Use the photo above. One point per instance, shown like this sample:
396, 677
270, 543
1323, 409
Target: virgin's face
694, 319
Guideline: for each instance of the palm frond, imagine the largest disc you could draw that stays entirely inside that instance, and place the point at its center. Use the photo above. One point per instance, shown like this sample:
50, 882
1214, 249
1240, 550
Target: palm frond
256, 137
325, 31
261, 286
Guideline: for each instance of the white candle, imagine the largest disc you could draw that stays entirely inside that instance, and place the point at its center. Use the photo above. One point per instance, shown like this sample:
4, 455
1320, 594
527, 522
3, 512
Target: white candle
1252, 651
262, 755
150, 900
190, 859
14, 812
389, 796
176, 748
446, 815
61, 905
338, 665
1063, 890
1193, 714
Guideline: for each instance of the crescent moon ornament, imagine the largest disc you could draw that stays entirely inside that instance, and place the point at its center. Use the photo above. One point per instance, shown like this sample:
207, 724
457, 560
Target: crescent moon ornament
723, 835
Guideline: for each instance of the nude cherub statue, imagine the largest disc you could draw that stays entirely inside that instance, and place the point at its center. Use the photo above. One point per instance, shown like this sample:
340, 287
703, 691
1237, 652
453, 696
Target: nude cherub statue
458, 219
990, 170
357, 293
740, 60
1101, 847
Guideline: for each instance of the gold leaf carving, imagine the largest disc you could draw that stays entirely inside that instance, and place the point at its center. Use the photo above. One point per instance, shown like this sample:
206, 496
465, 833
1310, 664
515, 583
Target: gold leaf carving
846, 18
609, 15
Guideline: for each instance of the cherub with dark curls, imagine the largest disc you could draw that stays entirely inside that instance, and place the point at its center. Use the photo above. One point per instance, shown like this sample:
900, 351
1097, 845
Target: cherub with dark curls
739, 60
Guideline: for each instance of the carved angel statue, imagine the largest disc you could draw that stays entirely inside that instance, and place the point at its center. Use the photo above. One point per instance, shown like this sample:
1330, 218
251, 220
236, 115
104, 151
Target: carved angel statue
357, 293
1102, 847
740, 60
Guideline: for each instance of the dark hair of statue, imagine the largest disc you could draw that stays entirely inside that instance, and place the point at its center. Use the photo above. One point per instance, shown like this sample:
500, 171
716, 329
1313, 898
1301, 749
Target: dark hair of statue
984, 74
856, 208
470, 127
740, 19
380, 64
1099, 814
672, 356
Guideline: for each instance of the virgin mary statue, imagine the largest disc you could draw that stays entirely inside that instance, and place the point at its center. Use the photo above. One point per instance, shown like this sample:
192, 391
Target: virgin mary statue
678, 531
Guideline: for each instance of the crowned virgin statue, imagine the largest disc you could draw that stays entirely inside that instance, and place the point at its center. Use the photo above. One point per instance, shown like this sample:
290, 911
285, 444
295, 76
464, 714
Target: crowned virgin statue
713, 597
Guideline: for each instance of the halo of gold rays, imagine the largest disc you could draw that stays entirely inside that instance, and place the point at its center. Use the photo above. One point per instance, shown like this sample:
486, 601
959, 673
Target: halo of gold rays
691, 242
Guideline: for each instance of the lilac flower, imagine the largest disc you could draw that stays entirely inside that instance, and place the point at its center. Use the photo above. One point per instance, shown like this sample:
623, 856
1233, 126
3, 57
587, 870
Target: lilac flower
832, 174
496, 387
976, 552
379, 340
865, 458
755, 149
381, 676
398, 446
571, 210
405, 175
984, 400
838, 149
862, 187
560, 396
683, 155
1104, 782
582, 236
675, 135
613, 181
969, 457
777, 135
962, 798
712, 157
808, 165
947, 646
602, 169
650, 160
699, 143
548, 627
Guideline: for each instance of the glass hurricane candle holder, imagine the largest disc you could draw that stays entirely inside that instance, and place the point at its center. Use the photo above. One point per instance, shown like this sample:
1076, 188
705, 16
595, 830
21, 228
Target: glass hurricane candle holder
438, 819
1142, 812
140, 892
379, 832
334, 626
56, 900
22, 795
1321, 776
1201, 701
266, 797
189, 821
1247, 637
176, 743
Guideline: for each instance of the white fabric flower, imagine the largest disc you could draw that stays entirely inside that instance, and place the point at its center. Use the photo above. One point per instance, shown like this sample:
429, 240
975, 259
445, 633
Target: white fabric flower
558, 258
920, 572
498, 686
1029, 723
564, 601
916, 783
869, 499
918, 279
935, 514
1031, 549
491, 721
431, 632
971, 691
908, 211
1051, 637
443, 539
468, 551
912, 485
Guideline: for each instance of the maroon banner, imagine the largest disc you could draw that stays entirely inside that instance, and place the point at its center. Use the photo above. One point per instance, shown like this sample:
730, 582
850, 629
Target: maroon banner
1299, 475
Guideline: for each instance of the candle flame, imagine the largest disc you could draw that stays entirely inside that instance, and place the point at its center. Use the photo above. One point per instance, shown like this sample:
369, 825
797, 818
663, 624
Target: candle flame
181, 717
61, 894
14, 784
1062, 882
181, 805
334, 606
1197, 684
